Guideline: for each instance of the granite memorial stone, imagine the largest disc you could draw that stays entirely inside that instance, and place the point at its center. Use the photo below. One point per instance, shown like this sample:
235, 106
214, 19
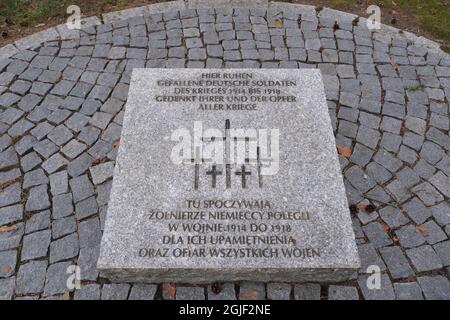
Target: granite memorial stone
226, 175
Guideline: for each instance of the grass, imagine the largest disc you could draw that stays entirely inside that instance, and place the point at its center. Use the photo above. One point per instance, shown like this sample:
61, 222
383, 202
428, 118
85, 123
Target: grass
433, 15
27, 13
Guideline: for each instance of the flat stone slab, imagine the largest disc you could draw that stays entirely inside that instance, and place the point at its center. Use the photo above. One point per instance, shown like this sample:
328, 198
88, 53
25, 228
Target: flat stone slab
227, 175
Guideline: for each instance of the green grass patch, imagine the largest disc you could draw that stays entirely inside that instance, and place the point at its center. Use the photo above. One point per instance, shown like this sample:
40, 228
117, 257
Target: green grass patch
434, 15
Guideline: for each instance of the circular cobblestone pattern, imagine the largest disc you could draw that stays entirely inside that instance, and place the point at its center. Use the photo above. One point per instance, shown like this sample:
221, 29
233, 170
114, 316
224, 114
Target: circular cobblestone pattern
62, 106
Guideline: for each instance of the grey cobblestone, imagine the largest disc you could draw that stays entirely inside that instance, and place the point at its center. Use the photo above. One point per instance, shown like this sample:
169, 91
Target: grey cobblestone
307, 291
342, 293
408, 291
424, 258
31, 277
115, 291
224, 291
435, 288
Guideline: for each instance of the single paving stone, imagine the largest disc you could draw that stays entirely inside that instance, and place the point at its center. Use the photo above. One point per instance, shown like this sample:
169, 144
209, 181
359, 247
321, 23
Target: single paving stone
385, 292
87, 292
77, 121
278, 291
361, 156
38, 221
73, 149
34, 178
56, 279
101, 119
190, 293
10, 175
59, 183
359, 179
8, 158
45, 148
102, 172
252, 291
221, 291
60, 135
37, 199
31, 277
443, 251
432, 232
441, 182
376, 234
112, 132
86, 208
10, 195
441, 213
369, 257
80, 165
396, 262
7, 288
424, 258
435, 287
11, 214
87, 261
62, 205
416, 210
8, 99
342, 293
142, 292
409, 236
393, 217
387, 160
8, 261
64, 248
30, 161
115, 291
431, 152
35, 245
81, 188
427, 194
307, 291
63, 227
408, 291
89, 233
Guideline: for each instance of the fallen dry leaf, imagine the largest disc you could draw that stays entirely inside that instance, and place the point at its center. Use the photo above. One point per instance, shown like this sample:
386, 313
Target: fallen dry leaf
385, 226
6, 228
369, 208
169, 289
345, 151
7, 269
394, 65
248, 294
421, 228
39, 25
66, 296
217, 287
116, 143
277, 23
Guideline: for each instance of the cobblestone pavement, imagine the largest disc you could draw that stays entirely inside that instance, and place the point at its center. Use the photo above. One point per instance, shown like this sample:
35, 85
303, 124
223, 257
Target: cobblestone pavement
62, 106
